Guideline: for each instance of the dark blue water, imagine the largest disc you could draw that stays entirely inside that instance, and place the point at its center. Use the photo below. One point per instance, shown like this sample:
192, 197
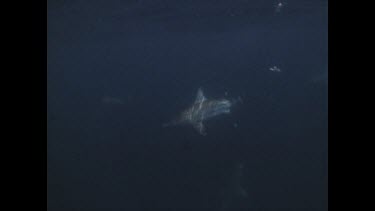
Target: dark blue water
118, 70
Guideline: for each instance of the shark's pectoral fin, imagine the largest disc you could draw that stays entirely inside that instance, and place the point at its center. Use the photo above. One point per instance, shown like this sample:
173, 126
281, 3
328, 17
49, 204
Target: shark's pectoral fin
200, 127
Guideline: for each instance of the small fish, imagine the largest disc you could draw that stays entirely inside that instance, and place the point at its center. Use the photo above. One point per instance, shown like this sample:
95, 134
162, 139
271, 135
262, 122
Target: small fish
279, 6
275, 69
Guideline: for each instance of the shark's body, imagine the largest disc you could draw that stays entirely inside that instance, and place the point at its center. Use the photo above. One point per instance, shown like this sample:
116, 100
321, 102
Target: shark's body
201, 110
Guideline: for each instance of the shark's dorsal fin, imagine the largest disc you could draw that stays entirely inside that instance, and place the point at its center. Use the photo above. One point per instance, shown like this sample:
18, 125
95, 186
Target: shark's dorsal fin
200, 127
200, 96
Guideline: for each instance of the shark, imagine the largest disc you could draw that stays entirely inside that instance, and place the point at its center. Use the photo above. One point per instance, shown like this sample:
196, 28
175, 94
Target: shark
201, 110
